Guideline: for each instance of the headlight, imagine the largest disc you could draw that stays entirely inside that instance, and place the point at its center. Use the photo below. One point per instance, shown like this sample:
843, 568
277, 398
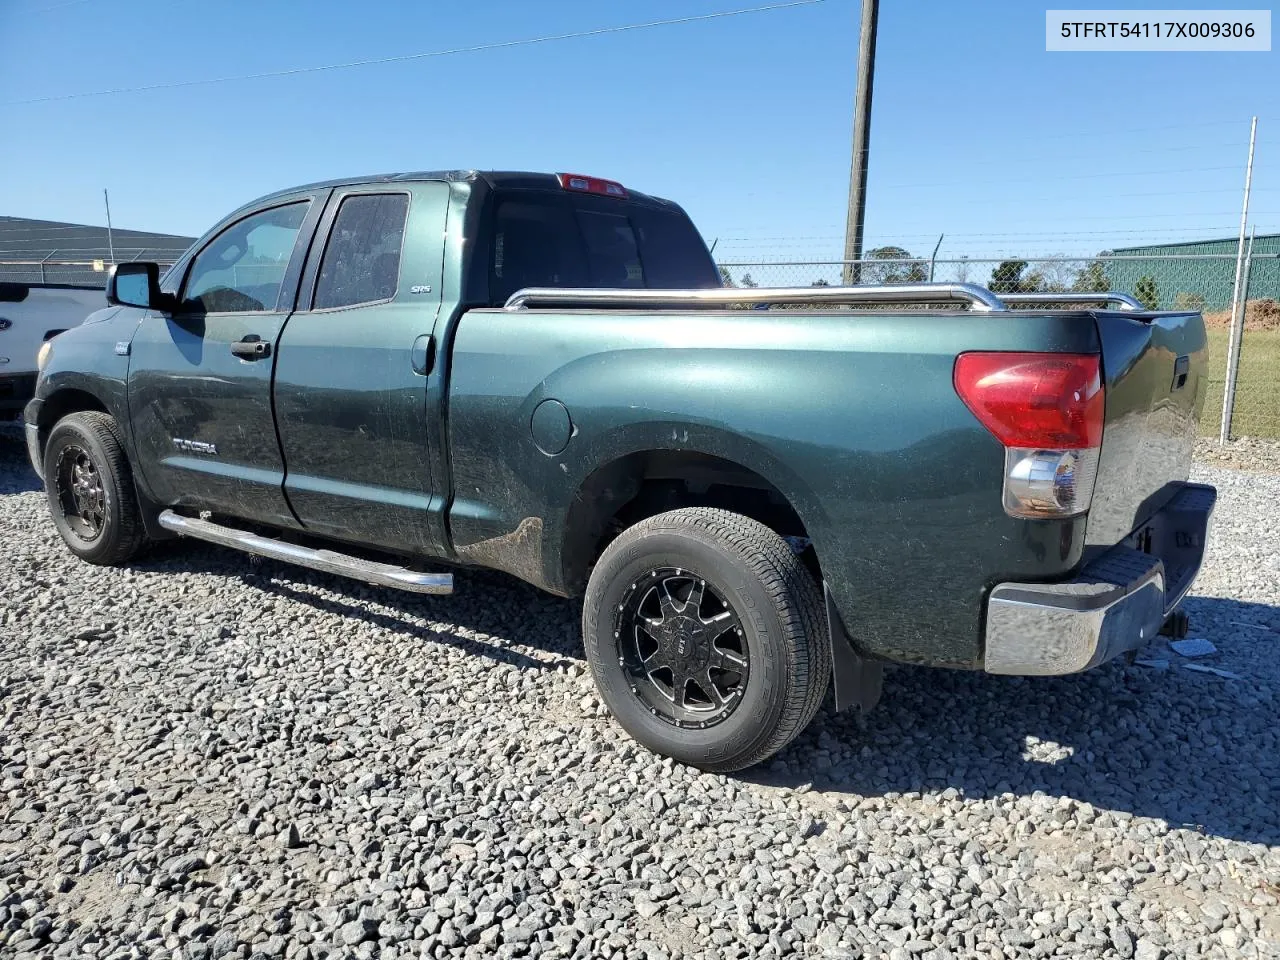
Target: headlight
43, 355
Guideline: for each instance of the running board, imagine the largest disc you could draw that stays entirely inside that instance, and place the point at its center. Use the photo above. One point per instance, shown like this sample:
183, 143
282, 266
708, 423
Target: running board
326, 561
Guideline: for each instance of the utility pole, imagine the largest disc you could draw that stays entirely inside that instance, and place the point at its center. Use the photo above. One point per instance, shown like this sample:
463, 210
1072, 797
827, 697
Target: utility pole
111, 246
1239, 293
861, 143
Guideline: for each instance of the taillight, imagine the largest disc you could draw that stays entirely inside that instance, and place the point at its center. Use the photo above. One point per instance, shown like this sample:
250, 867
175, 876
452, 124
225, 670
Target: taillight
1047, 410
585, 184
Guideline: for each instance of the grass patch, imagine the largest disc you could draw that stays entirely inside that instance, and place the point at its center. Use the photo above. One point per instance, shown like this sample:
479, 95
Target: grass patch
1257, 406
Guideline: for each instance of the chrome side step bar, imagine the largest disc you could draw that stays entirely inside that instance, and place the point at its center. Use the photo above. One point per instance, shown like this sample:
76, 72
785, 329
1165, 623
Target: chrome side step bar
326, 561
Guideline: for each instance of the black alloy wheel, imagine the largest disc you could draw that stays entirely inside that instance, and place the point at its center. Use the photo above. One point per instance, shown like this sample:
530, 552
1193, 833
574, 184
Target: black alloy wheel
79, 493
682, 646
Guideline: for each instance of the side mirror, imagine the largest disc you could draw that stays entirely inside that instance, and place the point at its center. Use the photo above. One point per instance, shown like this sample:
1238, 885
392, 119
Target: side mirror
137, 285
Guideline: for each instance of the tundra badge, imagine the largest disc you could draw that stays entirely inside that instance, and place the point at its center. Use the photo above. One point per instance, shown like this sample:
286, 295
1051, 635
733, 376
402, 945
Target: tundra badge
195, 446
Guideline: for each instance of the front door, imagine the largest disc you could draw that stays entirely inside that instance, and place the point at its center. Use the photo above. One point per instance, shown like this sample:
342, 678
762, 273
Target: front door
355, 362
200, 378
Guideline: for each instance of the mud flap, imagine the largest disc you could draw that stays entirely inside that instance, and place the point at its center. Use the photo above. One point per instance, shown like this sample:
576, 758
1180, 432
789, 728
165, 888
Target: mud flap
150, 514
855, 681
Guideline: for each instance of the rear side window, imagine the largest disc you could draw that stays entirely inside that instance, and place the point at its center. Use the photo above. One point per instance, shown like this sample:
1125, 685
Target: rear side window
549, 241
362, 261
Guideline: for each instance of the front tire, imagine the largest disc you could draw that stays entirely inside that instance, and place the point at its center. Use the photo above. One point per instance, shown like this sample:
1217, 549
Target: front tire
707, 638
90, 489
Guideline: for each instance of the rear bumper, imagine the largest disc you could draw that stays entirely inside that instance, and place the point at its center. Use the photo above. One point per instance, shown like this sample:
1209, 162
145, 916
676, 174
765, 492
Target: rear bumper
1116, 604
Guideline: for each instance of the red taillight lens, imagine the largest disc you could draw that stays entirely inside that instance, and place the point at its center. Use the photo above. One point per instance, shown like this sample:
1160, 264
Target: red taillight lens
585, 184
1052, 401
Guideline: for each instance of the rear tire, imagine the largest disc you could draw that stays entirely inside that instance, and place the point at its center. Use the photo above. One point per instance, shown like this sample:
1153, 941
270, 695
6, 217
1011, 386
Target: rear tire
707, 638
90, 488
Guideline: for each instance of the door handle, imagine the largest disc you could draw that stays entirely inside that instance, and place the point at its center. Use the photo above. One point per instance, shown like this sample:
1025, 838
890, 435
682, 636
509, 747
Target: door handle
252, 347
423, 354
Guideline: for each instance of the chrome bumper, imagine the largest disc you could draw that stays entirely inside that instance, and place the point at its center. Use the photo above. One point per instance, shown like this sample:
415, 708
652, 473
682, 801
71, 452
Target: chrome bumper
1116, 604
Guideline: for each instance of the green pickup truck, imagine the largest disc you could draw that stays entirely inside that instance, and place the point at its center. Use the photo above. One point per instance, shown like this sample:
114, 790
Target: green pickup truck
761, 495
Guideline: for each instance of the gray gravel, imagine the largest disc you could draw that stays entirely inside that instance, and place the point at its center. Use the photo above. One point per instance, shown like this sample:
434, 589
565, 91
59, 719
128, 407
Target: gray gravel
203, 757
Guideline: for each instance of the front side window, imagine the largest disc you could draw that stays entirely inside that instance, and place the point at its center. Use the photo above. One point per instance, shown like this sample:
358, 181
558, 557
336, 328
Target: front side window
241, 269
362, 261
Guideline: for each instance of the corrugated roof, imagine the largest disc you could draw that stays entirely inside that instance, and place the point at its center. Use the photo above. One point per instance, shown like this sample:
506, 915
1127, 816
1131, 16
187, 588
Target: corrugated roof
24, 239
1265, 238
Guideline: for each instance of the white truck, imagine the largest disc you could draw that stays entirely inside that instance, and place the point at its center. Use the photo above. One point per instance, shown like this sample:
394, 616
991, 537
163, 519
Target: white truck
30, 314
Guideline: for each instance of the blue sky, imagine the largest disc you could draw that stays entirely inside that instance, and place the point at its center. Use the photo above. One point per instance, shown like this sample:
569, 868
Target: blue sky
977, 132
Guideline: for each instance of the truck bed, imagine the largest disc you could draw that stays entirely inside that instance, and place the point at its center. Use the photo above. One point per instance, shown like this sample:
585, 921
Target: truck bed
850, 416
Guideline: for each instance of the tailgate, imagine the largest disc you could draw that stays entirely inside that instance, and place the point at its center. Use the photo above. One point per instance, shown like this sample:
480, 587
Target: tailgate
1154, 365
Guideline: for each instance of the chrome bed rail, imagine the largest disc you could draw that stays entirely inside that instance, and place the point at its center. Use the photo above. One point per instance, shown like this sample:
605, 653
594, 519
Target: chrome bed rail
977, 298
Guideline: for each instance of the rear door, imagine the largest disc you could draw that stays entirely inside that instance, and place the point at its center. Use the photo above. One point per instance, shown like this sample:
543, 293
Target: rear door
200, 378
354, 367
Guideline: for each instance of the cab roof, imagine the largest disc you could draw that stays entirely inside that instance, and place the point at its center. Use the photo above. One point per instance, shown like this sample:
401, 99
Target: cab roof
496, 179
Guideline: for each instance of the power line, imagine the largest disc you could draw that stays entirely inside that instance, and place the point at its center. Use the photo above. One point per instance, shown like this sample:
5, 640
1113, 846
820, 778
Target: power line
1046, 234
1079, 176
501, 45
55, 6
1214, 217
1242, 121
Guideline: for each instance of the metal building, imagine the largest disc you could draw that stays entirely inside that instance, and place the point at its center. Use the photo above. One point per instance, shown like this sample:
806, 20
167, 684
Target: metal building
46, 251
1185, 272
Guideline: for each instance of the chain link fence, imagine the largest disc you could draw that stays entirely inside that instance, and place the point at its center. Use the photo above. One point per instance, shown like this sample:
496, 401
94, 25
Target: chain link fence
1202, 282
80, 273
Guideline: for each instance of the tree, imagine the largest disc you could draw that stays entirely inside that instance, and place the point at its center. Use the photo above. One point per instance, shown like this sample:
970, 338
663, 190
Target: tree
726, 278
1092, 278
1007, 277
1188, 301
747, 281
1146, 293
1058, 274
892, 272
1034, 282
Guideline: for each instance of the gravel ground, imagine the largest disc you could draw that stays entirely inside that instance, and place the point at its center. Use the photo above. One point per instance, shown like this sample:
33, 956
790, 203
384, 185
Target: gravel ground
203, 757
1240, 453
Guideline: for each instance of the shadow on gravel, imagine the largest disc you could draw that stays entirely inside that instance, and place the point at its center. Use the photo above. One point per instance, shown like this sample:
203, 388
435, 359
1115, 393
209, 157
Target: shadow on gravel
484, 628
1194, 749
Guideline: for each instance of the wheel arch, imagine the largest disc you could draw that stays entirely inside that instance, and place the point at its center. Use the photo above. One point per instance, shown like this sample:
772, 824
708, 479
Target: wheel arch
633, 486
66, 400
